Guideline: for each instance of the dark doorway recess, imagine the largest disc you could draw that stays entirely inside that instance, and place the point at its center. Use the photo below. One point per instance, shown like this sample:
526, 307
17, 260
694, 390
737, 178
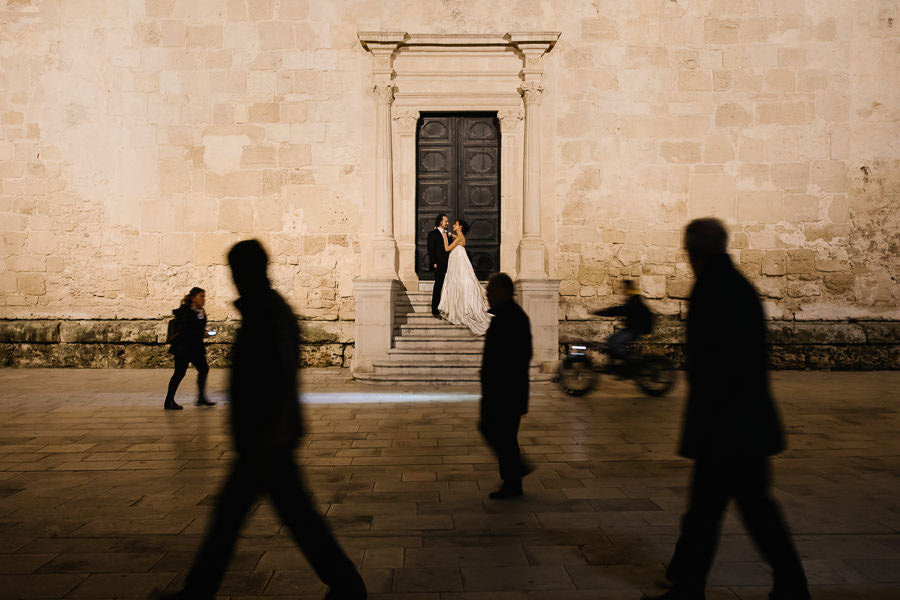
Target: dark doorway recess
458, 173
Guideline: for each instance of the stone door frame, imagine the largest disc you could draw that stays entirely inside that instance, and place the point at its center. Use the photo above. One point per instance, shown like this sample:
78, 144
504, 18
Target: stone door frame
412, 73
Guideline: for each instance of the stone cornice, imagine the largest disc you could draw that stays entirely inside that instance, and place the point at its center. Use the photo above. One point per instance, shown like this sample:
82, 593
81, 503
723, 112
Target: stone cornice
544, 39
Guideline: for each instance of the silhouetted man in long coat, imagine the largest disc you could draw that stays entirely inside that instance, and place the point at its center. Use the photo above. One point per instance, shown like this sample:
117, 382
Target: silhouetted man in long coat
504, 383
731, 425
266, 424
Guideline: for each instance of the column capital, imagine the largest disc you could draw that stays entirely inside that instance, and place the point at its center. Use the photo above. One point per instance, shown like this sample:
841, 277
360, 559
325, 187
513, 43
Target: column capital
406, 121
532, 92
510, 119
384, 92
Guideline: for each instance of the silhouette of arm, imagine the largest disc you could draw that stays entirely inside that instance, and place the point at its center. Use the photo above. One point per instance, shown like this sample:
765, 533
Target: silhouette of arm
612, 311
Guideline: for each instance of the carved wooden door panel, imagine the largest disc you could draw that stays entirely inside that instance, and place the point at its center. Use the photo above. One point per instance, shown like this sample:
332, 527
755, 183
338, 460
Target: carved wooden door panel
458, 173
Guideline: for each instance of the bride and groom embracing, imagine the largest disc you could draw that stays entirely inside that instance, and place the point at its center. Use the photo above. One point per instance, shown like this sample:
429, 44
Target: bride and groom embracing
457, 295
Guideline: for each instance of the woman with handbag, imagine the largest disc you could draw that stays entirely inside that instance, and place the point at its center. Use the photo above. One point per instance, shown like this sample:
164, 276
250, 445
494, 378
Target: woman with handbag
188, 330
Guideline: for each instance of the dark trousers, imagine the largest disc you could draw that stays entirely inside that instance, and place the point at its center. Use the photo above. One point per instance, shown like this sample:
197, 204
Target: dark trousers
439, 275
714, 484
198, 359
618, 343
276, 473
501, 432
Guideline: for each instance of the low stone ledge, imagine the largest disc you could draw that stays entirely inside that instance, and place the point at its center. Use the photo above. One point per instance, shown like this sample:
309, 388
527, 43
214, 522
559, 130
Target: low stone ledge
881, 332
141, 343
82, 332
27, 331
815, 332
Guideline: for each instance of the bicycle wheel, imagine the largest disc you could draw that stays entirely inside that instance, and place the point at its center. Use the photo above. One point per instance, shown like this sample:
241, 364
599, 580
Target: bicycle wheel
655, 376
576, 375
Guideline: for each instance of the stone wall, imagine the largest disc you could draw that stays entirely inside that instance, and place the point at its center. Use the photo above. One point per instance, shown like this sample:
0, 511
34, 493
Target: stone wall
141, 343
140, 139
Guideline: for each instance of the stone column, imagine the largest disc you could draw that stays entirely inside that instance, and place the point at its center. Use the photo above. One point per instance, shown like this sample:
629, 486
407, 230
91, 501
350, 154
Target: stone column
531, 249
375, 295
537, 293
405, 122
384, 247
510, 187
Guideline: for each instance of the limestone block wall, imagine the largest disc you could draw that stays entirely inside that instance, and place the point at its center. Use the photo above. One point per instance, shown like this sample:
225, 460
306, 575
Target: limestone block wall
140, 139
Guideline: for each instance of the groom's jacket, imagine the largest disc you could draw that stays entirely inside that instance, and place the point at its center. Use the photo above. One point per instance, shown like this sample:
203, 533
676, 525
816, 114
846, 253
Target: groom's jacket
504, 364
436, 253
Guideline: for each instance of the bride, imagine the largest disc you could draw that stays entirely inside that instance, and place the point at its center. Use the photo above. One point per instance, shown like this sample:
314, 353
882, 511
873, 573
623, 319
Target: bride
462, 299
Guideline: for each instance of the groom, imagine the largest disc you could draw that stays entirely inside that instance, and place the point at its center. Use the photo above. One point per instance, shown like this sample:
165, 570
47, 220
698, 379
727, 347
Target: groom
437, 258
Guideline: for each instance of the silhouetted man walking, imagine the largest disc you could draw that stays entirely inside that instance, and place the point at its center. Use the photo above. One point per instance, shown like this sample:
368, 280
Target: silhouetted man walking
731, 425
266, 424
504, 383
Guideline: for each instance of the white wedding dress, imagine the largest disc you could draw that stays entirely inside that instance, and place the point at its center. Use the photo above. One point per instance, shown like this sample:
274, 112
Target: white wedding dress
462, 299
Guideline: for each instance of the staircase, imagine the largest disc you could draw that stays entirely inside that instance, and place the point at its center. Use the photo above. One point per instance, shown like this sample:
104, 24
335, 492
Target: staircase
428, 349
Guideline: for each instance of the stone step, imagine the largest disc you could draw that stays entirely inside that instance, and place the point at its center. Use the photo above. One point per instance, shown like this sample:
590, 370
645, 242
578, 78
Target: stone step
421, 319
381, 378
403, 367
439, 330
416, 343
427, 286
435, 356
390, 372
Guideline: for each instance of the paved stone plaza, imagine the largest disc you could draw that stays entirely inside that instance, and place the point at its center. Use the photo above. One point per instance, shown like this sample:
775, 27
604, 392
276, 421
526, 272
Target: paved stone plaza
104, 495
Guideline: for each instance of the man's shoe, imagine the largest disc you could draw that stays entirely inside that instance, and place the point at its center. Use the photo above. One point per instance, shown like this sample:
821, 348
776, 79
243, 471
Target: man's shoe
506, 492
436, 314
204, 402
172, 405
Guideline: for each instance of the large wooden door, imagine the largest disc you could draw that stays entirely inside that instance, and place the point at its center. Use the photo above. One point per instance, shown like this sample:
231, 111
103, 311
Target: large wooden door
458, 174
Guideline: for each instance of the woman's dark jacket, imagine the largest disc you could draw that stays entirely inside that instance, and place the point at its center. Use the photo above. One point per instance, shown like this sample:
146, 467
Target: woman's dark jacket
265, 412
730, 411
504, 364
191, 330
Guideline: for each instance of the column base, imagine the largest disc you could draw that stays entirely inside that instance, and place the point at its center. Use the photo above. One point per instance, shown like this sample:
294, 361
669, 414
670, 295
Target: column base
375, 304
384, 258
531, 259
540, 299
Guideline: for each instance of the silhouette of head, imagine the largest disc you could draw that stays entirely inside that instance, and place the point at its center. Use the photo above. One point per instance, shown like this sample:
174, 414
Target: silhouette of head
703, 240
248, 261
630, 287
500, 290
462, 226
441, 221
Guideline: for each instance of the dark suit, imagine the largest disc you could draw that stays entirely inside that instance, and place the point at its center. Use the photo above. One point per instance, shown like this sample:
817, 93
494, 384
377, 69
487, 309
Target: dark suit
187, 347
504, 387
437, 255
731, 428
266, 423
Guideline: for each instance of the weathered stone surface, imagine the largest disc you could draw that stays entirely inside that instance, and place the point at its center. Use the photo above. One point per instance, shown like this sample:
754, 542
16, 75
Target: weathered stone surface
885, 332
108, 331
29, 331
815, 332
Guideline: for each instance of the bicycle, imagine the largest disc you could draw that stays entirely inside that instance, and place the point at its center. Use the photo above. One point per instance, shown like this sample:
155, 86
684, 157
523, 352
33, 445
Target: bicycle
579, 372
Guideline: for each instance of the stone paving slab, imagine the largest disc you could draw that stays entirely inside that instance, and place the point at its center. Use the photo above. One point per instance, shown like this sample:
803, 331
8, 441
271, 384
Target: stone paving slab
104, 495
